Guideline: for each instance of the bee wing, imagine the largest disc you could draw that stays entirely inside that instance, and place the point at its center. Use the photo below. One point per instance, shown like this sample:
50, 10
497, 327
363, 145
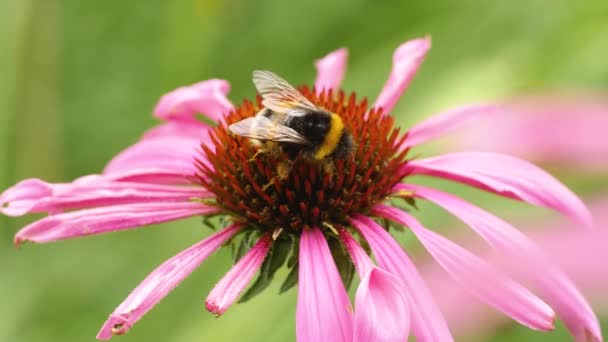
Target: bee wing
262, 128
280, 96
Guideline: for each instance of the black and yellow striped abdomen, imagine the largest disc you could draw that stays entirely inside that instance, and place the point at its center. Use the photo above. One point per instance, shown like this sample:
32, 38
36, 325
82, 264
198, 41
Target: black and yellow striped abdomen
331, 139
327, 135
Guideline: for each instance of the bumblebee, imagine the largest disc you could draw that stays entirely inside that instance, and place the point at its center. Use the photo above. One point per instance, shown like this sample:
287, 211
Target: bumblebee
291, 122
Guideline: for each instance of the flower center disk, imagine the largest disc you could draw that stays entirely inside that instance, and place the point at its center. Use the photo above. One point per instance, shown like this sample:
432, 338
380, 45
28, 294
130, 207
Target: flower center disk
255, 187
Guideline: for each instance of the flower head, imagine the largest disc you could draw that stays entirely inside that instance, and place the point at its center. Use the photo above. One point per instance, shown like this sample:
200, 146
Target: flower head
312, 216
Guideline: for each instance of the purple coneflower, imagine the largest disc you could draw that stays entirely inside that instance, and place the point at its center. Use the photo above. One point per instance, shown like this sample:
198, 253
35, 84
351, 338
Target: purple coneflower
316, 220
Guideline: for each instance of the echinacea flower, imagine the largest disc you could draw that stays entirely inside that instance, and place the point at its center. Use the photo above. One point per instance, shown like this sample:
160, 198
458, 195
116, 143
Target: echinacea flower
316, 219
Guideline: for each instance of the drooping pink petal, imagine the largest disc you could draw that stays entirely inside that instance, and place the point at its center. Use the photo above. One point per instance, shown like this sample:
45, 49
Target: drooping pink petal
506, 176
406, 60
381, 311
381, 307
206, 97
428, 323
570, 304
108, 219
498, 233
581, 254
554, 286
476, 275
535, 128
22, 197
360, 259
330, 70
162, 281
35, 195
323, 312
440, 124
234, 282
168, 159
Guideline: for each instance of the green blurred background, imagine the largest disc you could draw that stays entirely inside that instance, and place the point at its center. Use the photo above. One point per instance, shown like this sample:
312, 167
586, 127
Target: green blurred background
78, 81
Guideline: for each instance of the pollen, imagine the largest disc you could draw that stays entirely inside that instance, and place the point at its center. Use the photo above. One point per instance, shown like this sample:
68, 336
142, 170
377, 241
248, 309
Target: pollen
270, 192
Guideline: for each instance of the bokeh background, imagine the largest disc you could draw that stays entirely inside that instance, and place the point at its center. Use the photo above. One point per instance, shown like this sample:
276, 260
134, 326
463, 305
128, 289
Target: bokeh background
78, 81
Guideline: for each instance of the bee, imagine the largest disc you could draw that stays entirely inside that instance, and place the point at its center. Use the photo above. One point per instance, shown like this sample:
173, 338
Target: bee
289, 121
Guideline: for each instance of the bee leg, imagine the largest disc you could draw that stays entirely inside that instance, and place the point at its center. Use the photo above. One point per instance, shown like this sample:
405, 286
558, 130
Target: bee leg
269, 184
255, 156
263, 147
283, 171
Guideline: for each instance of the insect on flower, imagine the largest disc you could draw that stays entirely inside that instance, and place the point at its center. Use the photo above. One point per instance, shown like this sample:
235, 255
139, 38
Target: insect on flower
312, 195
291, 123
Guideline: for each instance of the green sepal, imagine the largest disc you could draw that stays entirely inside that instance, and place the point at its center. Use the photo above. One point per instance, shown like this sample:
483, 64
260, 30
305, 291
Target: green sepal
274, 260
291, 280
278, 254
342, 260
364, 244
207, 223
214, 221
388, 225
295, 252
242, 243
411, 201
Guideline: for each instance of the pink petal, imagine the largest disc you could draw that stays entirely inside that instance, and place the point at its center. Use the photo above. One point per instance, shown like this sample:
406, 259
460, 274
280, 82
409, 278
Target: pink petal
359, 257
381, 307
108, 219
381, 310
428, 323
168, 152
534, 128
160, 282
330, 70
582, 254
22, 197
441, 124
180, 129
477, 276
406, 60
555, 287
234, 282
323, 312
206, 97
35, 196
570, 305
506, 176
170, 159
498, 233
155, 175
